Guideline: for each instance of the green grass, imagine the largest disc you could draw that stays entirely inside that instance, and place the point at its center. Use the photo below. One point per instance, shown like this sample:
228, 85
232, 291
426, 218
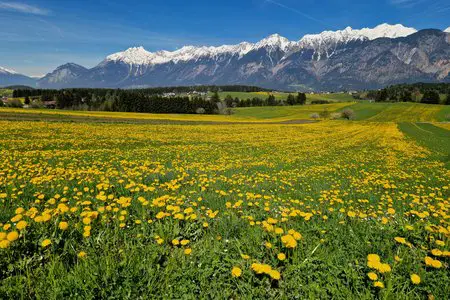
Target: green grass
436, 139
296, 112
334, 182
245, 95
400, 112
332, 97
364, 111
367, 110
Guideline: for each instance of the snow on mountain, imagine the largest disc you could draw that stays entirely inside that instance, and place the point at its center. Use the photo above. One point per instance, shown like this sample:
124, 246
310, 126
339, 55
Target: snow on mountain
347, 58
447, 30
134, 55
275, 41
322, 42
387, 31
7, 71
326, 42
350, 34
10, 77
140, 56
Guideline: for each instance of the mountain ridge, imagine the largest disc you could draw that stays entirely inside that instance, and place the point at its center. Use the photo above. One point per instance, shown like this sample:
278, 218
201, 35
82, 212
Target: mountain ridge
324, 61
11, 77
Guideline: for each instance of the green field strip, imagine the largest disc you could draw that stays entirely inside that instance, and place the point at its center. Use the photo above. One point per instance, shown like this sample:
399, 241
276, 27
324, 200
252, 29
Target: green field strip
434, 138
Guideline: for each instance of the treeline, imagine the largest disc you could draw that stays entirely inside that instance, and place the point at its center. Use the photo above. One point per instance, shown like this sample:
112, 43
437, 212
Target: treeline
429, 93
20, 92
299, 99
144, 101
128, 101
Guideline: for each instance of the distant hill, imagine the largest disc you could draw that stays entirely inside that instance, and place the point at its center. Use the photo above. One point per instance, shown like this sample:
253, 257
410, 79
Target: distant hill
10, 77
19, 87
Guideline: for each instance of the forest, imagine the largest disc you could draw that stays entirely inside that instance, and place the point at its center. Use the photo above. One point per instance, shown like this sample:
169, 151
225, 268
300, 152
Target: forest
188, 100
428, 93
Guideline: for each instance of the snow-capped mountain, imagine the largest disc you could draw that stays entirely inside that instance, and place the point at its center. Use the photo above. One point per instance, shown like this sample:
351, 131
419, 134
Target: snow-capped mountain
140, 56
326, 43
447, 30
350, 34
11, 77
329, 60
7, 71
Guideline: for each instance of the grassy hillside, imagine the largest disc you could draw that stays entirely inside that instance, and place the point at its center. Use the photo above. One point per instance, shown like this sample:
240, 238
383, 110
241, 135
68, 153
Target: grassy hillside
285, 112
400, 112
334, 97
375, 112
437, 139
340, 97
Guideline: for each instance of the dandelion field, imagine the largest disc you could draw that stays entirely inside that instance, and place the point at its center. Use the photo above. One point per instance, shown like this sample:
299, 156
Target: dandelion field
331, 209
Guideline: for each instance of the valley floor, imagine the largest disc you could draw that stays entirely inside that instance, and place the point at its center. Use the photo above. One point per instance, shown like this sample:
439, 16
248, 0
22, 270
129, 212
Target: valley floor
198, 207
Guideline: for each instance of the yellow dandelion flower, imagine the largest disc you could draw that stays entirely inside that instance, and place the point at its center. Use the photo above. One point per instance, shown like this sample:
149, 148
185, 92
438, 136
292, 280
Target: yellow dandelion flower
373, 257
279, 230
378, 284
384, 268
21, 225
415, 279
236, 272
281, 256
436, 252
428, 261
45, 243
4, 244
436, 264
372, 276
63, 225
289, 241
274, 274
12, 236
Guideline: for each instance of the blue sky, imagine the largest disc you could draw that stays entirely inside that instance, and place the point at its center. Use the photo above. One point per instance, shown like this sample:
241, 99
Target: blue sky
37, 36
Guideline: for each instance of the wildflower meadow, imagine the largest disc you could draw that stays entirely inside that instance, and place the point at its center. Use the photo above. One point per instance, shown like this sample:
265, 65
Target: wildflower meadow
332, 209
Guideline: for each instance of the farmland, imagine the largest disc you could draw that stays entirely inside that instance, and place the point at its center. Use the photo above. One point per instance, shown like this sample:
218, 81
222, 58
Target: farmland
101, 204
332, 97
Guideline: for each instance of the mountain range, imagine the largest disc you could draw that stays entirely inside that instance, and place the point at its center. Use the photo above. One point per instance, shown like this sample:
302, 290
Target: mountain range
332, 60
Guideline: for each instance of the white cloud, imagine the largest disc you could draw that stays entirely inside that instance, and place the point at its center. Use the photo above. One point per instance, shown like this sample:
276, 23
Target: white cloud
23, 8
295, 11
406, 3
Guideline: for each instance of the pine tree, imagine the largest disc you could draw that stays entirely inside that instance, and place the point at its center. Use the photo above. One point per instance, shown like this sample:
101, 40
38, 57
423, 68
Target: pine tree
215, 97
447, 100
301, 98
290, 99
430, 97
271, 101
406, 96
